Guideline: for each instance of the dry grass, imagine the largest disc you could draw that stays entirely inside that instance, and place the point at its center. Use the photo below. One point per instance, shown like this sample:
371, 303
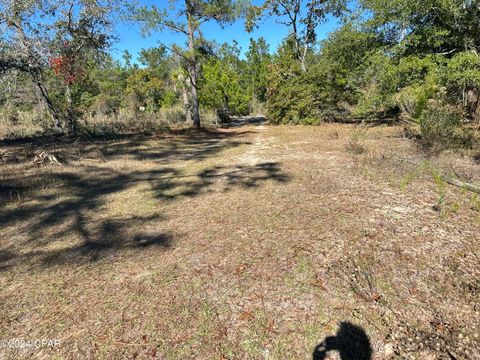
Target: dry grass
246, 243
26, 124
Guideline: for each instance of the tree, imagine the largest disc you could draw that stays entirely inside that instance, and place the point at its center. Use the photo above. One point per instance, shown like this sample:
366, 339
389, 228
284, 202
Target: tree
154, 57
258, 60
147, 86
110, 82
186, 17
22, 44
223, 82
420, 27
37, 35
302, 18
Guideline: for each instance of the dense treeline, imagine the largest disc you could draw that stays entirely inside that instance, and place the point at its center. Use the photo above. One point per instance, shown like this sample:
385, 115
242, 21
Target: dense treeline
412, 60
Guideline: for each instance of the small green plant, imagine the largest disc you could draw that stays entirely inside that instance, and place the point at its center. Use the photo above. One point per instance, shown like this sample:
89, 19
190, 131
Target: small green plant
407, 179
475, 202
454, 208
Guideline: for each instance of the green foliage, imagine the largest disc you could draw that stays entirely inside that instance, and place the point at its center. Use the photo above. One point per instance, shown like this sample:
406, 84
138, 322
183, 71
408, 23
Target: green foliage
294, 102
294, 96
461, 80
146, 86
441, 127
169, 99
258, 60
284, 104
153, 58
421, 27
374, 88
463, 71
417, 83
221, 88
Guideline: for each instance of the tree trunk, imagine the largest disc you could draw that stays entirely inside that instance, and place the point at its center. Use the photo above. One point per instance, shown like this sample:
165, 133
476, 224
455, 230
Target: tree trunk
192, 66
36, 75
72, 121
186, 104
303, 56
43, 93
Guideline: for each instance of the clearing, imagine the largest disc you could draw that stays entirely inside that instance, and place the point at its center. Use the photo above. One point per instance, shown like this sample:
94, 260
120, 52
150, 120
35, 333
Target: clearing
252, 242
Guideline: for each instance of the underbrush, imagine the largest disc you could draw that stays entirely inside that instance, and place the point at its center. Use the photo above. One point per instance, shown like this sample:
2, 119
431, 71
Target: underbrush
16, 124
442, 127
19, 124
404, 165
128, 122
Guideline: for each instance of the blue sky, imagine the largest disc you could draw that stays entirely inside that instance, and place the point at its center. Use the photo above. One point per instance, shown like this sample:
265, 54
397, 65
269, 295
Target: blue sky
131, 39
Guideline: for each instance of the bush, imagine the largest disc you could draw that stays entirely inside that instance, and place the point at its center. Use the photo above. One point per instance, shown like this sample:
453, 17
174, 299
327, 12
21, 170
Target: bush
294, 102
104, 105
169, 99
413, 100
462, 82
221, 89
9, 114
441, 127
296, 97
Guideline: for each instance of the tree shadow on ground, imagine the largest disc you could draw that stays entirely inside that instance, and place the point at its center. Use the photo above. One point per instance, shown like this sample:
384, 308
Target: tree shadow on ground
64, 218
194, 146
163, 147
236, 122
351, 342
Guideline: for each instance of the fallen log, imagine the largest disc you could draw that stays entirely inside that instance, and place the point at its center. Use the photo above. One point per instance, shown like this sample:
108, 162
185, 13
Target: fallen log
462, 184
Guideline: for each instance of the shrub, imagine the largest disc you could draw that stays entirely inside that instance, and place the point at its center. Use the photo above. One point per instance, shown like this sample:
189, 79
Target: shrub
441, 127
221, 89
297, 97
169, 99
462, 82
104, 105
294, 102
9, 114
19, 124
413, 100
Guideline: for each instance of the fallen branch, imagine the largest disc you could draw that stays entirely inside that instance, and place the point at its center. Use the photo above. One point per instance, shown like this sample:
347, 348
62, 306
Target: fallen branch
101, 155
45, 157
462, 184
452, 181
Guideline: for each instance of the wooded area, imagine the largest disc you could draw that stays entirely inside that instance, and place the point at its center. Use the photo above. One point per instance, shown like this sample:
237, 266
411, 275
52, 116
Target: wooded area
413, 61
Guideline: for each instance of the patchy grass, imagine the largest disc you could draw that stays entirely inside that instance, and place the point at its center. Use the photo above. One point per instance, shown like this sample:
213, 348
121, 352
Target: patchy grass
254, 242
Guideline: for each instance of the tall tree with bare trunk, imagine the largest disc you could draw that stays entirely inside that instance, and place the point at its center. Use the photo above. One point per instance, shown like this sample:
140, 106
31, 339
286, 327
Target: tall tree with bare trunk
186, 17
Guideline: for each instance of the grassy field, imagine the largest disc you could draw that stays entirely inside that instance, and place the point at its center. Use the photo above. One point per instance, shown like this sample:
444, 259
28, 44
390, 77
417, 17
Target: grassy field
252, 242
